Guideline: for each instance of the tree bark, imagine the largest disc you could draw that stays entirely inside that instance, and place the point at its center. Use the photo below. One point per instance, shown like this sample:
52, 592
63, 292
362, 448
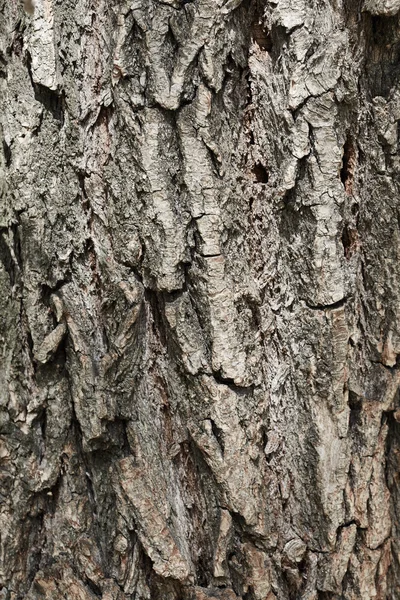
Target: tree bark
199, 299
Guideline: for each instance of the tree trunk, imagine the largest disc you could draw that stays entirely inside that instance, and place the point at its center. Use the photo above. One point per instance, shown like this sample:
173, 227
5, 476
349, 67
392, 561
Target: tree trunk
200, 299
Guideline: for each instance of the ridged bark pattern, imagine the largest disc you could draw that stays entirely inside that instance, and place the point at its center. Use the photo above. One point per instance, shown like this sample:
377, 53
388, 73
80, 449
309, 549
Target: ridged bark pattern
199, 299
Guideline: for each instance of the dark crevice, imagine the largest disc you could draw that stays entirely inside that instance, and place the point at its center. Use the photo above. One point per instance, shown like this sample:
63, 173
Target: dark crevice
17, 45
210, 255
249, 595
390, 368
238, 521
261, 36
121, 435
28, 62
81, 181
355, 405
17, 246
348, 165
355, 209
216, 161
91, 462
51, 101
349, 240
78, 435
235, 561
223, 380
170, 47
43, 427
219, 435
260, 173
28, 334
355, 401
229, 382
8, 261
270, 456
7, 153
53, 497
349, 524
383, 52
90, 252
156, 303
326, 595
171, 41
47, 291
38, 127
243, 531
96, 591
346, 241
173, 295
332, 306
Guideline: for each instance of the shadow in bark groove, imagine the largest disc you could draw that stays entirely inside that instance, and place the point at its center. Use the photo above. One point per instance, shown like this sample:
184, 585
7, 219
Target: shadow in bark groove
383, 54
7, 153
348, 165
392, 472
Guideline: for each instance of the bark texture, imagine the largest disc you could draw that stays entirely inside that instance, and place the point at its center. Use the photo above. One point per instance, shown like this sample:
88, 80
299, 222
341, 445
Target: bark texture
199, 299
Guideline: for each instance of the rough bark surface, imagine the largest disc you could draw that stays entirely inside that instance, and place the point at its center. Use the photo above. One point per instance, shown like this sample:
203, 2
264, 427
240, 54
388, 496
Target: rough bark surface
199, 299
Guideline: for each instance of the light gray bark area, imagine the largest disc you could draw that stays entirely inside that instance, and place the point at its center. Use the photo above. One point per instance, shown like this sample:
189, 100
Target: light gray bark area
199, 300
